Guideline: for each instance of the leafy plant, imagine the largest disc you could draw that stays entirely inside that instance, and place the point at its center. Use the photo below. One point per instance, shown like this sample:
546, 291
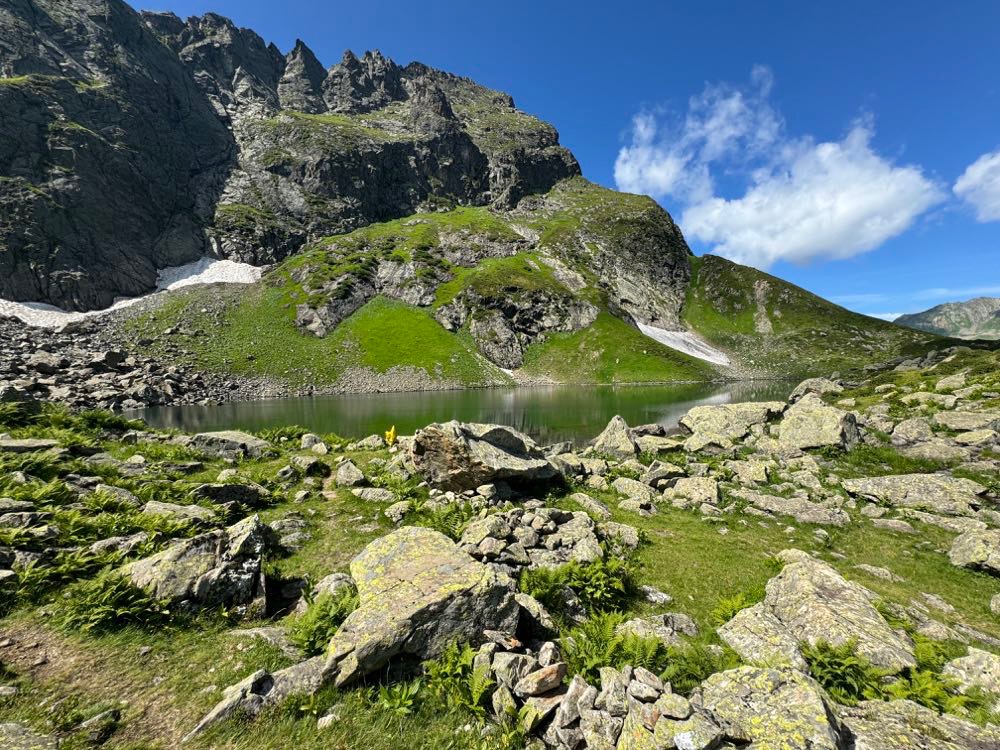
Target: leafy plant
109, 601
454, 679
929, 689
604, 585
313, 630
450, 519
728, 607
598, 643
846, 675
400, 698
692, 662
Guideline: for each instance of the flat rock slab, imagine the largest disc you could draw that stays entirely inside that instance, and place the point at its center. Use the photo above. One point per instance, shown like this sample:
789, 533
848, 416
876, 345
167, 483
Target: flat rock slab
932, 492
810, 601
772, 708
230, 443
731, 421
904, 725
801, 510
27, 445
418, 593
810, 423
19, 737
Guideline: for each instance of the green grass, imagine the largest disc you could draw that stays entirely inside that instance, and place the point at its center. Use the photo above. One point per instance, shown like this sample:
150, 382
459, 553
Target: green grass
611, 351
770, 324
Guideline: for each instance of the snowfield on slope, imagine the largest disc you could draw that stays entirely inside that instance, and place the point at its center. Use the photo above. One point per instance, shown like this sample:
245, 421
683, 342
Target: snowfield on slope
203, 271
687, 342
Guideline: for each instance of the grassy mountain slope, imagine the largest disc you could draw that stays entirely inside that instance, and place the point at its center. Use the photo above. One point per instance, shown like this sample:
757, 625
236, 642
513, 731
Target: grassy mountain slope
549, 292
769, 325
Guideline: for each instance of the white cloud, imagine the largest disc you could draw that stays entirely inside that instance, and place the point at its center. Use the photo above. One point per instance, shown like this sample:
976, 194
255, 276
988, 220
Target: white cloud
885, 316
979, 186
803, 200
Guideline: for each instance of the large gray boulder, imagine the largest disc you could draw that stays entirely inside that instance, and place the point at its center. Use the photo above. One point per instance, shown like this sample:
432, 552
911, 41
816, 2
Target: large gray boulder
771, 708
218, 568
810, 601
616, 440
462, 456
231, 444
802, 510
904, 725
418, 593
937, 493
977, 550
810, 423
731, 421
977, 669
817, 386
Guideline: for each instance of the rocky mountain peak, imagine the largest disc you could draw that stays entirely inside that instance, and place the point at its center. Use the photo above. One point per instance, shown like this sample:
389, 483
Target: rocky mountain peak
361, 85
301, 84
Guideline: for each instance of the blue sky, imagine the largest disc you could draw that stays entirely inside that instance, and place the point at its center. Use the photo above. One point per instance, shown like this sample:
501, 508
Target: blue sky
852, 148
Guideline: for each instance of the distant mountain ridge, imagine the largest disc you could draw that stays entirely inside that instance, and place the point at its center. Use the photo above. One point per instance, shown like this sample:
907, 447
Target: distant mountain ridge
977, 318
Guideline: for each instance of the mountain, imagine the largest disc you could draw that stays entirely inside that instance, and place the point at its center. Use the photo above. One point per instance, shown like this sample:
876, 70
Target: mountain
977, 318
135, 142
419, 230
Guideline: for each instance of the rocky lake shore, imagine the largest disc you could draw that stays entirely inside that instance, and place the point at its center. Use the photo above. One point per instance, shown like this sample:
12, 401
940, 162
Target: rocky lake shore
821, 572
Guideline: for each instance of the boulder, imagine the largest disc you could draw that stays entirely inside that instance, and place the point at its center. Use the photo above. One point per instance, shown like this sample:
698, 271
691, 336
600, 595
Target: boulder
932, 492
810, 423
977, 550
231, 444
967, 421
772, 708
817, 386
904, 725
248, 494
616, 440
800, 509
418, 592
194, 513
218, 568
978, 669
349, 475
462, 456
732, 421
26, 445
810, 601
15, 736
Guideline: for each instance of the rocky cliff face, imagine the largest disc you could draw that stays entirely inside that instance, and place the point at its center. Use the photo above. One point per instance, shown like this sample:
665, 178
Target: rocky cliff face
977, 318
143, 141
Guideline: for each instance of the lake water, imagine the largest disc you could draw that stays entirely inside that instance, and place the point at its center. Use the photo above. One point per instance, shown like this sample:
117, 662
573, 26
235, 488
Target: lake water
549, 414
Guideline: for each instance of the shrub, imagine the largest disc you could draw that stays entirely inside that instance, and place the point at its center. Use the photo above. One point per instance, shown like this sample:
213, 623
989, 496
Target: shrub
106, 602
690, 663
597, 643
604, 585
729, 607
313, 630
846, 675
455, 681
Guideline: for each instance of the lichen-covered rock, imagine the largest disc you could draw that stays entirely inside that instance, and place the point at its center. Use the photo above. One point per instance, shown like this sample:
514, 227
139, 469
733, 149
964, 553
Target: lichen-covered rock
810, 601
977, 669
231, 444
462, 456
966, 421
616, 440
217, 568
418, 592
731, 421
810, 423
771, 708
933, 492
15, 736
978, 550
818, 386
800, 509
904, 725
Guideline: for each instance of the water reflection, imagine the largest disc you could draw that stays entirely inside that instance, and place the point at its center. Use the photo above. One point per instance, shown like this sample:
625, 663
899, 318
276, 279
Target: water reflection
548, 414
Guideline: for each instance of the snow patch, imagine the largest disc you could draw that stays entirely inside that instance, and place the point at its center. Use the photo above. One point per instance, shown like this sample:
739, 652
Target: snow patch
687, 342
203, 271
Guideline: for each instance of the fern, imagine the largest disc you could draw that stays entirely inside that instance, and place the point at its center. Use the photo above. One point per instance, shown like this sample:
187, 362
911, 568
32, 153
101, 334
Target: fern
846, 675
313, 630
691, 663
729, 607
108, 602
597, 643
457, 683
